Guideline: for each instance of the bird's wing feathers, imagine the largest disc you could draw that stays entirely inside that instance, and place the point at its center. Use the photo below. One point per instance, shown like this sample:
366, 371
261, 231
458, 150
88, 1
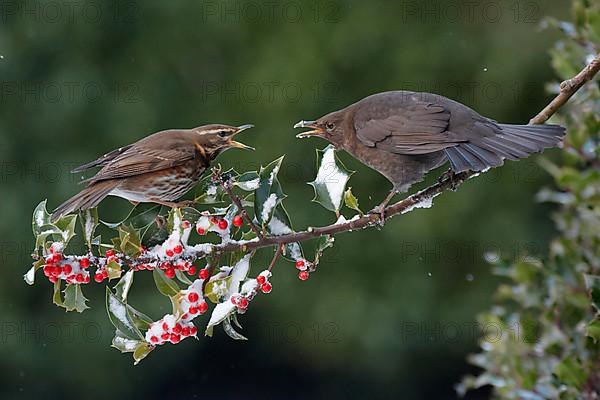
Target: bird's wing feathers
413, 128
102, 161
148, 156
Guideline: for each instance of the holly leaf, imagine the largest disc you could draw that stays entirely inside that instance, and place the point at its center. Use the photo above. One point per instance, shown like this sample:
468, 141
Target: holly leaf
280, 224
123, 343
248, 181
66, 225
219, 314
592, 330
330, 183
166, 286
114, 270
230, 331
351, 201
89, 223
129, 240
29, 277
269, 193
120, 317
74, 299
122, 287
141, 351
57, 296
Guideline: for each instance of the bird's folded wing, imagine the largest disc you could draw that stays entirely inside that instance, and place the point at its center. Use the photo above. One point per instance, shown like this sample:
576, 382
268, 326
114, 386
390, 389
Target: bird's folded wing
102, 161
146, 157
415, 128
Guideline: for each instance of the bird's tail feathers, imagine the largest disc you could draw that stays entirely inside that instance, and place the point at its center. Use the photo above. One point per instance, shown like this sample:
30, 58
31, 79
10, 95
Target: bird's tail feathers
512, 142
87, 198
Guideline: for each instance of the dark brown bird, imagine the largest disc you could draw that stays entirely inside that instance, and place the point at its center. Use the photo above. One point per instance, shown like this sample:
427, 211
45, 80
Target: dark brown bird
159, 168
403, 135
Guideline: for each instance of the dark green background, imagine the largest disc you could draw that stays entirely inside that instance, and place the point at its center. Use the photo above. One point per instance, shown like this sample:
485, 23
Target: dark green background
389, 314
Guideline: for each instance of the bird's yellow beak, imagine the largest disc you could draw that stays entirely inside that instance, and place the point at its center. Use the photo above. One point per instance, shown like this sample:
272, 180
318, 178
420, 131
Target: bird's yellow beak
237, 144
316, 130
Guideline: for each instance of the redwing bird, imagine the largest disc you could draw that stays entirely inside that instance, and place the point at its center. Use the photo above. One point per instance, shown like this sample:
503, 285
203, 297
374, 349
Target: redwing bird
403, 135
159, 168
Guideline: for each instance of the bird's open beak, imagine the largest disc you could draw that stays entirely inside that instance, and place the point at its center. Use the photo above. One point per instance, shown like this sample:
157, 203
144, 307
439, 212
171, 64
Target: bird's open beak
239, 145
308, 124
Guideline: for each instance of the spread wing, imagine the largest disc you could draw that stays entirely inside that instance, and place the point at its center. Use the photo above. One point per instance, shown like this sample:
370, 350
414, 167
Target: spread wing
411, 128
161, 150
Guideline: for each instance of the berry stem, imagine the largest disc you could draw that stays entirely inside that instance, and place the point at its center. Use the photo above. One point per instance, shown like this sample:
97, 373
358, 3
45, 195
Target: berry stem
276, 257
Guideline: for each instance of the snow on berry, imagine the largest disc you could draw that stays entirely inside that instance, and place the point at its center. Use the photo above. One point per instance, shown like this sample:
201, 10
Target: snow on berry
67, 268
192, 301
169, 329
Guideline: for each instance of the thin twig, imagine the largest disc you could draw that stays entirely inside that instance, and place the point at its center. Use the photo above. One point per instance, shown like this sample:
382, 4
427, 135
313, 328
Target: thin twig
568, 89
276, 257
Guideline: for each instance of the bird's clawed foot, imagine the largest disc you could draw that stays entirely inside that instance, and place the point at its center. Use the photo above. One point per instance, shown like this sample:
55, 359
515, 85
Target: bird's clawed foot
450, 175
380, 209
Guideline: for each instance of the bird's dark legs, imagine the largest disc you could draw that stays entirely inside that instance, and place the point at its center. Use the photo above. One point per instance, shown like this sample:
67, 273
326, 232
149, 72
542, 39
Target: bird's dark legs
380, 209
449, 175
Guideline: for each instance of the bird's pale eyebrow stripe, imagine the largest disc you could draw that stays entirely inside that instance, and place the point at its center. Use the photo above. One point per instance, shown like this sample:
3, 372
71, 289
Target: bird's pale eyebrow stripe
213, 131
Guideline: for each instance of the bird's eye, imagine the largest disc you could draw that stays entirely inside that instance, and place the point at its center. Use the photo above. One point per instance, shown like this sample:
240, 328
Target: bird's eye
330, 126
223, 134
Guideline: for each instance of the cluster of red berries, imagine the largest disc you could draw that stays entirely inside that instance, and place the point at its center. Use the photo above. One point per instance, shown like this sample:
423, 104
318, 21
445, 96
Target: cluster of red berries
205, 223
56, 267
176, 250
168, 329
263, 282
240, 301
193, 304
303, 274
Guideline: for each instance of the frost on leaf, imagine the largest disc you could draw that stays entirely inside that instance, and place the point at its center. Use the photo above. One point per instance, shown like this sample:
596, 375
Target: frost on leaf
74, 299
226, 308
269, 193
330, 183
280, 224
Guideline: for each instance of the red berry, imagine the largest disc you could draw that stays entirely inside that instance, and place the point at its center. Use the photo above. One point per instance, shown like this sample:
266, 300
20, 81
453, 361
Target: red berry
105, 274
98, 277
223, 224
177, 328
193, 297
235, 299
192, 270
79, 278
201, 231
49, 260
184, 316
261, 279
110, 253
186, 331
300, 264
303, 275
266, 287
53, 279
174, 338
169, 253
154, 339
170, 273
185, 224
165, 327
84, 262
214, 220
204, 273
238, 221
193, 310
67, 269
112, 259
56, 257
243, 303
193, 330
56, 270
178, 249
202, 307
47, 270
165, 336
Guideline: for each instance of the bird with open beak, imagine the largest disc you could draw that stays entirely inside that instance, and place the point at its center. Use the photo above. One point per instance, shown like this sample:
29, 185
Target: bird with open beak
403, 135
159, 168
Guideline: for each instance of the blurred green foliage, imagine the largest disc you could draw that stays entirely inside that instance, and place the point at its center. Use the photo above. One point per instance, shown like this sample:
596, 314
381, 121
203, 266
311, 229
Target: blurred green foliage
369, 323
551, 305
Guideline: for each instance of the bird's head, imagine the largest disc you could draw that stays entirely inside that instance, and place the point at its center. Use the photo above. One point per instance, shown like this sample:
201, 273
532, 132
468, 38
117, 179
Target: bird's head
329, 127
215, 139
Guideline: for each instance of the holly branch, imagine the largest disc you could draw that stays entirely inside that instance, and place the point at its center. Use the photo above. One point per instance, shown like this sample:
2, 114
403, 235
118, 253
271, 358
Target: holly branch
227, 238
